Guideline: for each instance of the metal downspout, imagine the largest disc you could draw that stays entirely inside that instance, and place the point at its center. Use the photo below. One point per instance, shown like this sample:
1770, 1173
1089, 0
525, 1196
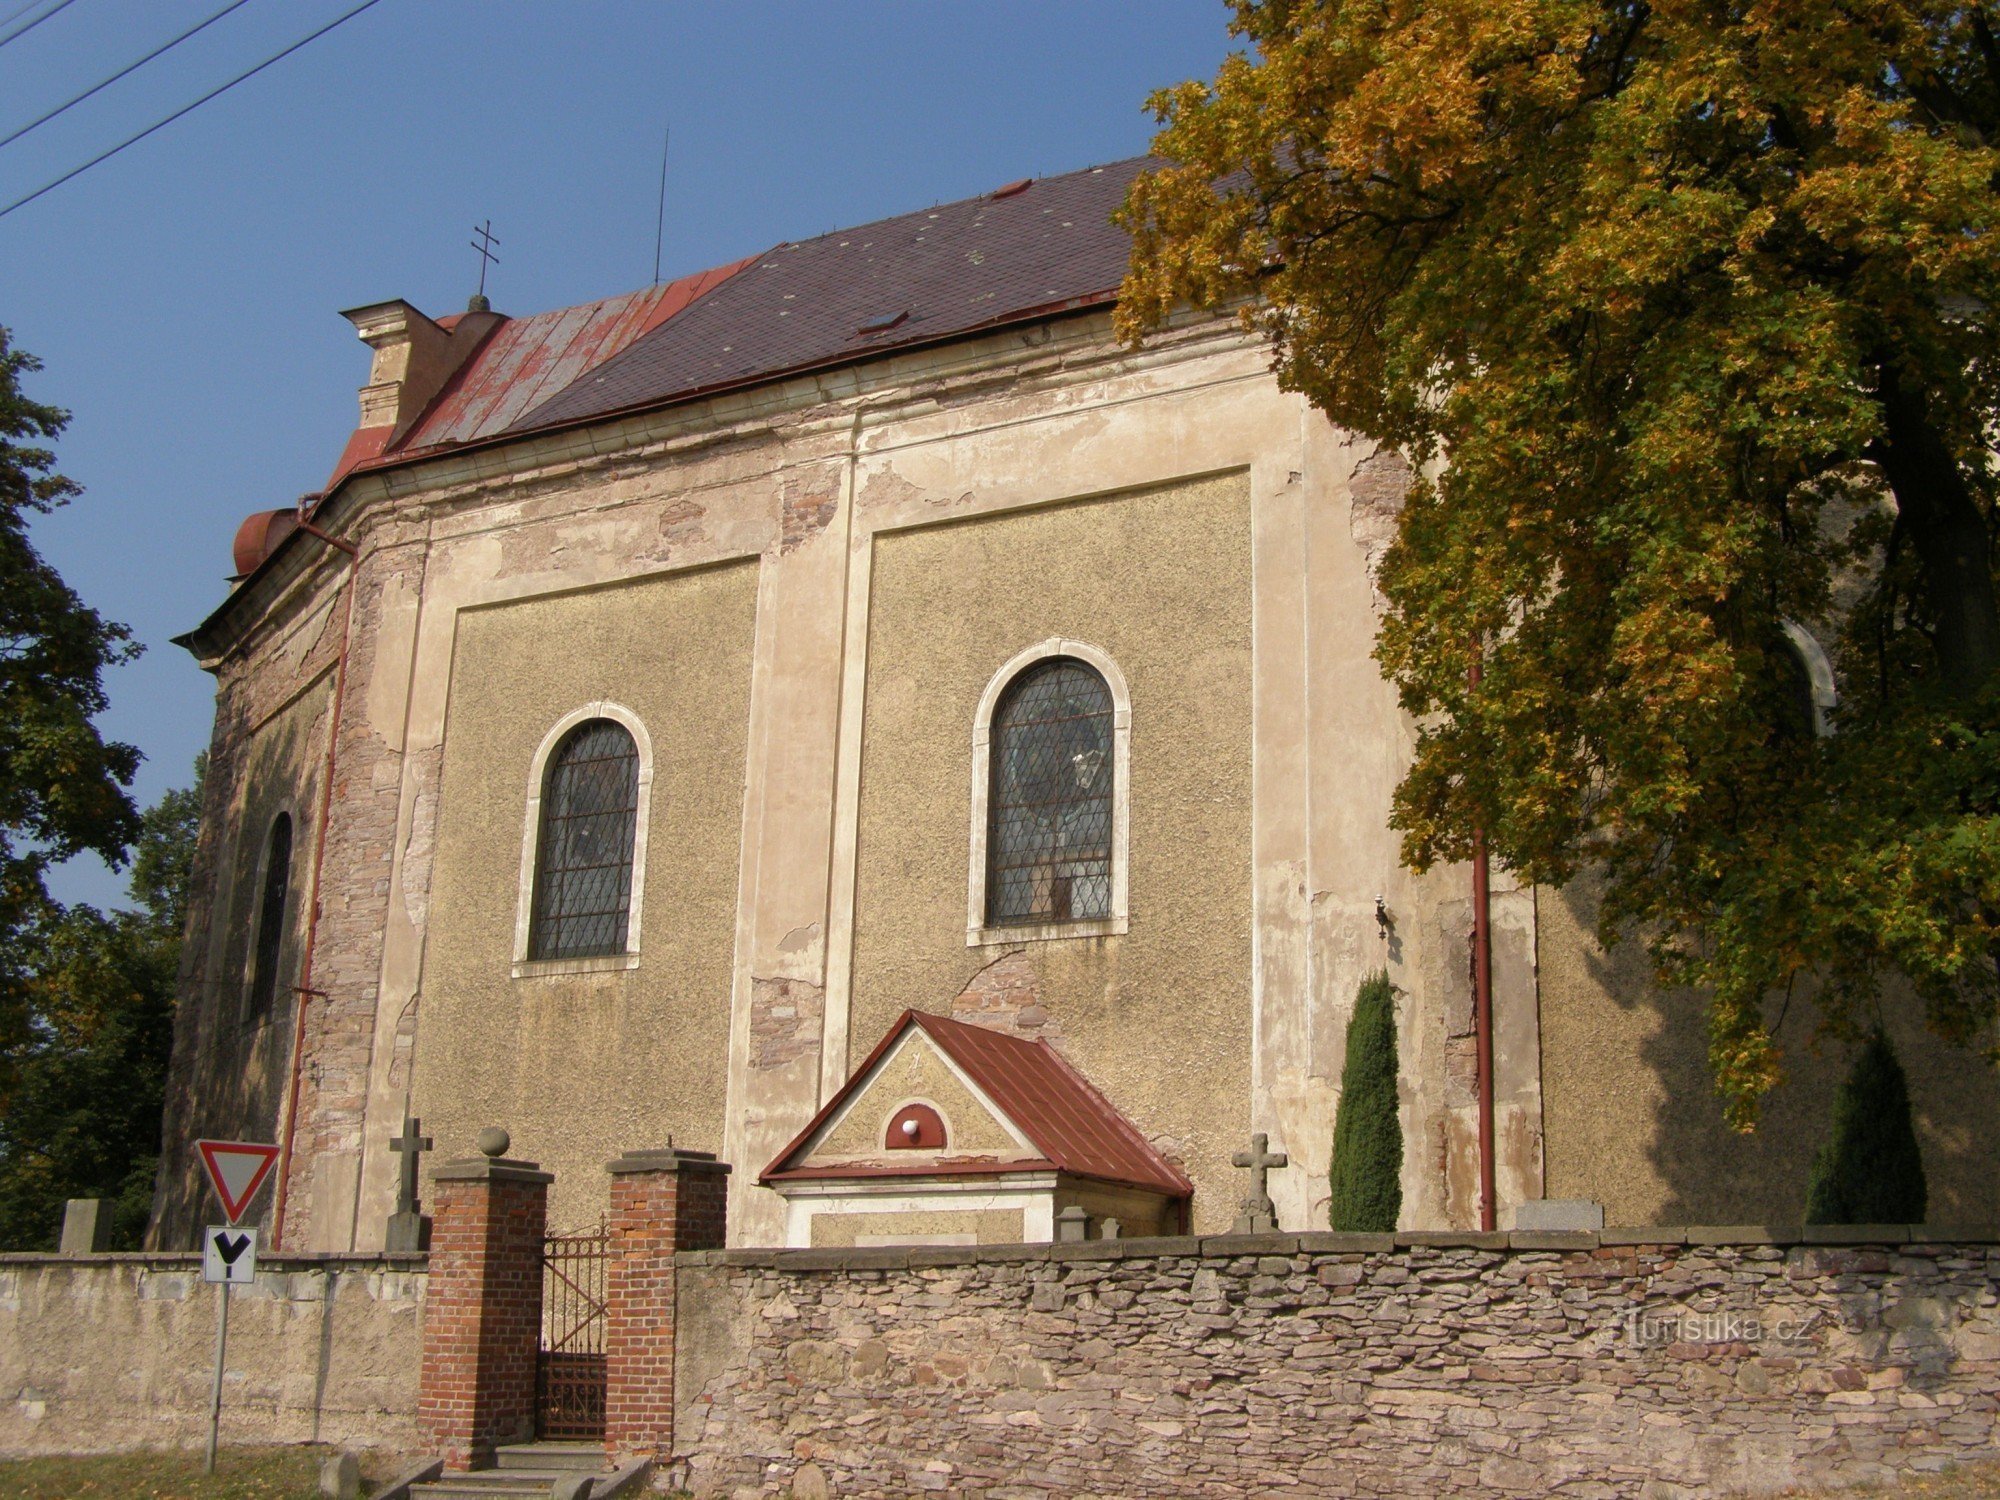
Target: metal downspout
1482, 998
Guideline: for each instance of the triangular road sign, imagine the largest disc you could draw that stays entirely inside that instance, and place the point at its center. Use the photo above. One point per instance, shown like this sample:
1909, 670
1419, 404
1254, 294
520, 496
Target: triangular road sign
236, 1169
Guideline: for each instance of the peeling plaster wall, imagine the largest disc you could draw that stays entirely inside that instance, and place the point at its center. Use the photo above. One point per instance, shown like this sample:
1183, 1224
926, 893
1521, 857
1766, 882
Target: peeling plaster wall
1158, 1018
112, 1352
1634, 1121
1169, 504
231, 1063
582, 1066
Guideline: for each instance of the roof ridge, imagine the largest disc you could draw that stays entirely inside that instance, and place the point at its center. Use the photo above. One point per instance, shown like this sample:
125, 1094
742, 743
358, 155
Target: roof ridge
987, 196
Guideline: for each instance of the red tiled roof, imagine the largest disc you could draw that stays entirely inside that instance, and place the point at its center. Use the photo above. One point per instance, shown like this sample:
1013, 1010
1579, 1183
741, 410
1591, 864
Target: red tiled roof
1075, 1128
529, 360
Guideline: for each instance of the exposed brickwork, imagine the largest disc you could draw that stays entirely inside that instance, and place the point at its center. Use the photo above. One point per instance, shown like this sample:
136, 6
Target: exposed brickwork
226, 1079
1006, 996
483, 1313
1335, 1365
806, 507
353, 904
1378, 487
662, 1202
785, 1021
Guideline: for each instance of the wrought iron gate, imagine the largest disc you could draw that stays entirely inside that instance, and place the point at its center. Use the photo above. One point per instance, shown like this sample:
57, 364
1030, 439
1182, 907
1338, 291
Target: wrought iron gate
569, 1371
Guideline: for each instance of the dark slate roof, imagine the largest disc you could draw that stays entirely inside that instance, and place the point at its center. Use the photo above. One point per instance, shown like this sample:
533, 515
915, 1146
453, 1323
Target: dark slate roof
938, 273
1076, 1128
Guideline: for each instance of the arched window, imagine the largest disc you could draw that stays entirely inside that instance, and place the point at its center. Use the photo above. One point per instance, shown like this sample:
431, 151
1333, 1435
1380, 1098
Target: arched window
1051, 801
1048, 844
1809, 690
270, 936
584, 846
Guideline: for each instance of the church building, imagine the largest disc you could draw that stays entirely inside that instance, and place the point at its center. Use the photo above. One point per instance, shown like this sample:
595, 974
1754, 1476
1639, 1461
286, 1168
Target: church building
846, 712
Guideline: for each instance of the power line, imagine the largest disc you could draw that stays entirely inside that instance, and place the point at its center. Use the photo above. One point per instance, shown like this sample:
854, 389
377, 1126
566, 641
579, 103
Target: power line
104, 156
24, 29
122, 72
17, 12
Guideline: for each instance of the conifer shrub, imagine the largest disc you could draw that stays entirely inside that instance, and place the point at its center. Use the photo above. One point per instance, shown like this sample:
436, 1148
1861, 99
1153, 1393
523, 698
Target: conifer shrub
1366, 1177
1870, 1171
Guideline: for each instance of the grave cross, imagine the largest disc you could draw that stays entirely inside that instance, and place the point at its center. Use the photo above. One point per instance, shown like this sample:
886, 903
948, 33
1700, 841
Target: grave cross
409, 1145
1259, 1214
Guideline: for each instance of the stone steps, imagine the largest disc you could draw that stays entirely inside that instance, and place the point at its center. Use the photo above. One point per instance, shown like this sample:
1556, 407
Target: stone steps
519, 1471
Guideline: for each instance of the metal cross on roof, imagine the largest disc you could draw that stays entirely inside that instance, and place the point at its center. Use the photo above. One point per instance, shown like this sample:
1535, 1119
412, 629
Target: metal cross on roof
410, 1145
1259, 1214
484, 242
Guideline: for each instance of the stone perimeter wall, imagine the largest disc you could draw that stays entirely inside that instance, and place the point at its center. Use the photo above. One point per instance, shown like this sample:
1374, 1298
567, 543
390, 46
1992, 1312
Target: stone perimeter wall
112, 1352
1339, 1365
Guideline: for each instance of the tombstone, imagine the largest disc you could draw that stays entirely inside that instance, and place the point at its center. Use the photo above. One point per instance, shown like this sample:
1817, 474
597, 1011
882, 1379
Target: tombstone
87, 1226
1072, 1225
409, 1226
340, 1478
1110, 1230
1259, 1214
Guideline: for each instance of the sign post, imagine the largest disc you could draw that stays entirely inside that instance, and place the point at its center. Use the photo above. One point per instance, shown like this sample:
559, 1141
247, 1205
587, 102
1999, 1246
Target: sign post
236, 1170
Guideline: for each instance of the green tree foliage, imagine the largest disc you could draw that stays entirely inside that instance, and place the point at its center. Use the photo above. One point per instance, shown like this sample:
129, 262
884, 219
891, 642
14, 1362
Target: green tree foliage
1366, 1178
81, 1118
83, 1004
1870, 1170
61, 783
1685, 316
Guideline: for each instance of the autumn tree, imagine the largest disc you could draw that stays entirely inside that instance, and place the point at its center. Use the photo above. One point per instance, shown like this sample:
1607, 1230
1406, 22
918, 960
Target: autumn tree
1684, 316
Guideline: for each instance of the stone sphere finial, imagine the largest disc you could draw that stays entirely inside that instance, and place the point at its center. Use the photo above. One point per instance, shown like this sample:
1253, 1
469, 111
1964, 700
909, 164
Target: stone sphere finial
494, 1141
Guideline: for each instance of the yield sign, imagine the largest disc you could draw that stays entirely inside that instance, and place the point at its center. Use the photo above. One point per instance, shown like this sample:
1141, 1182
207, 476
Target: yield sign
236, 1169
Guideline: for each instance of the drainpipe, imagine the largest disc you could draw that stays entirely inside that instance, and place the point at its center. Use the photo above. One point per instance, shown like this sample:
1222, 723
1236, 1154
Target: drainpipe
1482, 997
304, 987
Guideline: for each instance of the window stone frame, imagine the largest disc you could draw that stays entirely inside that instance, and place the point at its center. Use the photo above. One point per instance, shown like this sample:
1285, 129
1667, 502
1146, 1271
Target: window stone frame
249, 1016
978, 933
1819, 672
531, 837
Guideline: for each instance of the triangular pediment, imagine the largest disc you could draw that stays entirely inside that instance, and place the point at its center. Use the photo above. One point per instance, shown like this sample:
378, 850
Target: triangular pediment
911, 1070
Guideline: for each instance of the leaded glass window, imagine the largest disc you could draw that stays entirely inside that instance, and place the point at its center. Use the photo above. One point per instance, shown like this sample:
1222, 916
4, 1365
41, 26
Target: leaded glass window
1048, 843
583, 858
271, 917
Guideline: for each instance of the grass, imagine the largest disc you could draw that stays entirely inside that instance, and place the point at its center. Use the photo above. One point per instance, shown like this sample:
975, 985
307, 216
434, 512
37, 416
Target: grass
240, 1474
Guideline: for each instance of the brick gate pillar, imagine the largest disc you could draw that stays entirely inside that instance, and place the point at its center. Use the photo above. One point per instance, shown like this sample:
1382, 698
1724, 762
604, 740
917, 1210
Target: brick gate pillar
483, 1304
661, 1202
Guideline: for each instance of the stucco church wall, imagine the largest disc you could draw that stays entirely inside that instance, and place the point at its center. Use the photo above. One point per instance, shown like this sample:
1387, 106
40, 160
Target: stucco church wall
231, 1081
1632, 1119
1158, 1018
580, 1066
113, 1352
1692, 1363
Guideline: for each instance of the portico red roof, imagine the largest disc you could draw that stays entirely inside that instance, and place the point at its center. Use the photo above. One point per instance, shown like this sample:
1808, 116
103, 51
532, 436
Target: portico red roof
1074, 1127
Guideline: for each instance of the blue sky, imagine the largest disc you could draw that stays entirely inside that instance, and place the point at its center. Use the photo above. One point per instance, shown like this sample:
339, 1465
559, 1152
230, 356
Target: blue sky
184, 296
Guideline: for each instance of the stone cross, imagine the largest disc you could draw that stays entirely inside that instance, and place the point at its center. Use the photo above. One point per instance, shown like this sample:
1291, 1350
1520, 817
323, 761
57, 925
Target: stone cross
1260, 1214
409, 1145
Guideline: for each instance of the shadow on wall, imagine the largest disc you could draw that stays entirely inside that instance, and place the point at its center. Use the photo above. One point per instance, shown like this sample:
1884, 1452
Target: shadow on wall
1632, 1118
232, 1065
